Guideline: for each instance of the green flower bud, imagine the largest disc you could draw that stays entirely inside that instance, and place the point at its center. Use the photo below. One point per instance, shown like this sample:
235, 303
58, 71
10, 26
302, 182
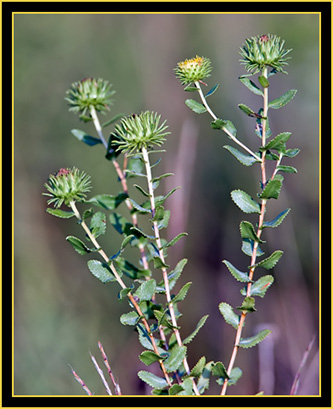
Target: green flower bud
89, 92
193, 70
66, 186
140, 131
264, 51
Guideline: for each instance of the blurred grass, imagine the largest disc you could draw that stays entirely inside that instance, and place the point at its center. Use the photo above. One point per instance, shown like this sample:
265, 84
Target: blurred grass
61, 311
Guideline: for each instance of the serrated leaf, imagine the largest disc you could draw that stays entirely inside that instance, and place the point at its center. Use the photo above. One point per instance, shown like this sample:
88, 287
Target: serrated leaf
173, 276
138, 207
78, 245
159, 263
259, 287
200, 324
203, 382
251, 86
247, 248
175, 389
159, 178
243, 158
277, 221
278, 143
149, 357
247, 305
84, 137
195, 106
283, 100
272, 189
159, 201
60, 213
248, 111
138, 232
152, 380
174, 240
238, 275
101, 271
229, 315
291, 153
245, 202
219, 370
212, 90
270, 262
175, 359
252, 341
122, 295
198, 367
130, 318
286, 169
235, 374
146, 290
98, 224
247, 232
218, 123
182, 293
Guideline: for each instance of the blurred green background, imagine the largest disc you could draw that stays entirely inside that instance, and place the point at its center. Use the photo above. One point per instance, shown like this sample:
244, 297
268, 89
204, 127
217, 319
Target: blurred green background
61, 311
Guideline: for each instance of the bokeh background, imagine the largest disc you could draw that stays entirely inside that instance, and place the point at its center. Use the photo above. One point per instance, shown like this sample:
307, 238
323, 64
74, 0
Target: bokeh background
61, 310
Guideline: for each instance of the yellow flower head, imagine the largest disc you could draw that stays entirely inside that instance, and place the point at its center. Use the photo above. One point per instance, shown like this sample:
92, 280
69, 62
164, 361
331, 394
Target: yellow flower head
195, 69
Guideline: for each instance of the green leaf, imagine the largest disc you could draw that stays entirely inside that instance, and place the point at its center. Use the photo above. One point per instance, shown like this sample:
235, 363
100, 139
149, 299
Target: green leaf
84, 137
200, 324
229, 126
198, 367
78, 245
120, 223
212, 90
291, 153
245, 202
229, 315
259, 287
238, 275
195, 106
272, 189
138, 232
138, 207
159, 263
173, 276
248, 111
251, 86
235, 374
98, 224
287, 169
174, 240
130, 270
270, 262
175, 389
247, 305
218, 123
108, 202
159, 178
159, 201
277, 221
112, 120
203, 382
101, 271
60, 213
278, 143
152, 380
140, 189
219, 370
247, 248
130, 318
149, 357
122, 295
252, 341
182, 293
247, 232
263, 81
175, 359
146, 290
243, 158
283, 100
189, 88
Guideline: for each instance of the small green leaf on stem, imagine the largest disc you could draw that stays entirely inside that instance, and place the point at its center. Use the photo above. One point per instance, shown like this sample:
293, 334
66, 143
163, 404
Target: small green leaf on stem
273, 188
259, 287
146, 290
263, 81
270, 262
245, 202
101, 271
174, 240
195, 106
229, 315
84, 137
98, 224
152, 380
247, 305
252, 341
277, 221
251, 86
108, 202
247, 248
198, 367
220, 371
175, 359
283, 100
243, 158
130, 318
212, 90
182, 293
60, 213
247, 111
149, 357
238, 275
200, 324
286, 169
78, 245
278, 143
247, 232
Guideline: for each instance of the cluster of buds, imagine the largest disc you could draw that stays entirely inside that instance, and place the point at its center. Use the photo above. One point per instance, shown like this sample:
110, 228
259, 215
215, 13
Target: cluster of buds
264, 51
193, 70
140, 131
90, 92
66, 186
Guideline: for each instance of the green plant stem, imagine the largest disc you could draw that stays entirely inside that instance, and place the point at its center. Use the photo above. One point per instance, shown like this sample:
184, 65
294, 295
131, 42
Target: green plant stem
145, 156
231, 136
122, 284
97, 125
255, 246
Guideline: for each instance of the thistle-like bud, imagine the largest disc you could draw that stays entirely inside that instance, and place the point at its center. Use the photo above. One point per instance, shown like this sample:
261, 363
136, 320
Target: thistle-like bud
66, 186
264, 51
89, 92
196, 69
140, 131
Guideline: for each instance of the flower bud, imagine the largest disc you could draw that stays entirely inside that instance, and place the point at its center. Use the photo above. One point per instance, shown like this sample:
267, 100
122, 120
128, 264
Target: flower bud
66, 186
196, 69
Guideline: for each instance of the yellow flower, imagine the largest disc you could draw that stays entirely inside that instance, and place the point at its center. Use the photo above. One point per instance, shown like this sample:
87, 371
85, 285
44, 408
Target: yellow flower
193, 70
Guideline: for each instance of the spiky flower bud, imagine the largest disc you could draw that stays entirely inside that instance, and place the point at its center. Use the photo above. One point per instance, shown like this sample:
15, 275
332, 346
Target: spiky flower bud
89, 92
67, 185
140, 131
193, 70
264, 51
